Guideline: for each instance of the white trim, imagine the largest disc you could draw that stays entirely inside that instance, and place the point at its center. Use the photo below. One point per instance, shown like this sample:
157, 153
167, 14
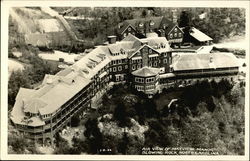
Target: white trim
173, 28
143, 47
127, 28
153, 55
137, 58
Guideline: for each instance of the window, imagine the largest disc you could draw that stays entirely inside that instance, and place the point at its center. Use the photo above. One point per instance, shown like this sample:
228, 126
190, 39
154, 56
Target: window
114, 69
125, 34
175, 34
133, 67
175, 30
171, 35
121, 77
114, 62
150, 64
155, 64
129, 29
117, 78
126, 66
152, 23
165, 60
122, 51
150, 51
138, 66
141, 24
164, 26
119, 68
119, 61
180, 35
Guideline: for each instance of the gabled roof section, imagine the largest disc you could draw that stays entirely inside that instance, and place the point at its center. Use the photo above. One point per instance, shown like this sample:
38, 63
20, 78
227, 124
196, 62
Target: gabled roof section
171, 27
132, 54
146, 72
154, 42
125, 26
202, 61
145, 21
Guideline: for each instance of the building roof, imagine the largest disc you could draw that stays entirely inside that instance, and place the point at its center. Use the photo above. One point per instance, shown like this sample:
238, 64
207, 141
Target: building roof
17, 113
155, 42
151, 34
198, 35
92, 62
68, 89
135, 22
157, 21
167, 75
170, 27
146, 72
202, 61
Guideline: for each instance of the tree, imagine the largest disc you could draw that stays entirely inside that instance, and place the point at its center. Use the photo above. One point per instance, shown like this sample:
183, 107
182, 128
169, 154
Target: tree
17, 79
93, 136
185, 19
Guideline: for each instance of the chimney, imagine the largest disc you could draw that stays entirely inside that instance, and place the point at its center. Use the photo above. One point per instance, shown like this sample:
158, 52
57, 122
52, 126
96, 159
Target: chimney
111, 39
211, 59
174, 16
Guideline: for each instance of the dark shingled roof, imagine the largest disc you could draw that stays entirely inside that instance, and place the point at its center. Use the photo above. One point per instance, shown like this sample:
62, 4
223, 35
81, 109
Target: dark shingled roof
157, 23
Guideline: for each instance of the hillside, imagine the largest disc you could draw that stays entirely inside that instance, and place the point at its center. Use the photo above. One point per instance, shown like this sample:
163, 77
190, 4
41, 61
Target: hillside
36, 27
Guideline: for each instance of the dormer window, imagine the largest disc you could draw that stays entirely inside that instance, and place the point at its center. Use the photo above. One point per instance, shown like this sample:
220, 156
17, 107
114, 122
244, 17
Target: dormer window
122, 51
162, 45
151, 23
164, 26
140, 24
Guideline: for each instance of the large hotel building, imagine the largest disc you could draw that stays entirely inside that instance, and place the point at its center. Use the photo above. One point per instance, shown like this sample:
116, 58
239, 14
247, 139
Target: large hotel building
147, 63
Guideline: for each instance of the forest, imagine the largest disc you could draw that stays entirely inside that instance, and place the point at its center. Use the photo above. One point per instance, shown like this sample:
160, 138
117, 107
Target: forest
211, 117
99, 22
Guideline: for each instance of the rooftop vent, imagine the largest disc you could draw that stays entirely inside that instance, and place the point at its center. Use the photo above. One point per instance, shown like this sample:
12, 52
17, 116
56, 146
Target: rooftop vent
85, 71
112, 39
102, 56
91, 65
